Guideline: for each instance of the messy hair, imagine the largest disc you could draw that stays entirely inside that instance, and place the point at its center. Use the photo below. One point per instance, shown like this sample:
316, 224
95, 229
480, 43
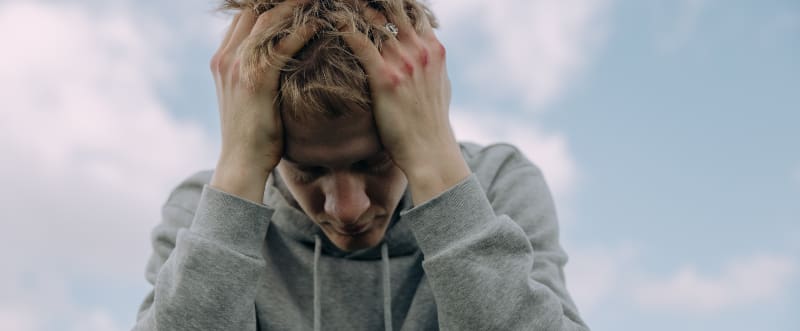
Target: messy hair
324, 77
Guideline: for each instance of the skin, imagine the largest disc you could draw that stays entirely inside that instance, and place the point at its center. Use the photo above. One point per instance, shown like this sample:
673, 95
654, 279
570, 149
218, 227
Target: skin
409, 123
342, 179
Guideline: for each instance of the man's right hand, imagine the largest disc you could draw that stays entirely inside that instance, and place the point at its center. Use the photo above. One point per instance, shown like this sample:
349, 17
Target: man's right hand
247, 86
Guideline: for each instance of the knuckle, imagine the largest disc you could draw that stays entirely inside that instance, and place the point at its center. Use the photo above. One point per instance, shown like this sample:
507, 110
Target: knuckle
234, 72
214, 64
281, 47
223, 61
265, 18
225, 64
440, 49
422, 56
391, 79
408, 65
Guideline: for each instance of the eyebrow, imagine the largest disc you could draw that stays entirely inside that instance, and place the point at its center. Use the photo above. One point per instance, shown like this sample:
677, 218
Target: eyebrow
380, 154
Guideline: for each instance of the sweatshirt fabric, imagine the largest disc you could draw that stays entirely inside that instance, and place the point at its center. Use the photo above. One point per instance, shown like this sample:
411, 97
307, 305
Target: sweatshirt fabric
483, 255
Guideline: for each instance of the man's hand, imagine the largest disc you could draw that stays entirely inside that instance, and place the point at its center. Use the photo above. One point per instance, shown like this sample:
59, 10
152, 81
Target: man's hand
252, 132
411, 101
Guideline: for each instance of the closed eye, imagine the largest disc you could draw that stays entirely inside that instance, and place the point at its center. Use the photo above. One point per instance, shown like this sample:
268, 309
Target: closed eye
374, 165
308, 174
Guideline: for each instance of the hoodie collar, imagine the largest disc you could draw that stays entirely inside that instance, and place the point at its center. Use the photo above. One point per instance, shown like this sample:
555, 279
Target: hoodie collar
293, 223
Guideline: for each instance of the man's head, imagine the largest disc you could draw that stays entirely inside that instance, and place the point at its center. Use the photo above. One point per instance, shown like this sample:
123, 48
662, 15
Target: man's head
339, 175
334, 164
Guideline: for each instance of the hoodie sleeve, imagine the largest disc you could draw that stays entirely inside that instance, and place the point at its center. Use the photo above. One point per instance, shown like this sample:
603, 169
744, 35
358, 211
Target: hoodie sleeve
206, 261
492, 257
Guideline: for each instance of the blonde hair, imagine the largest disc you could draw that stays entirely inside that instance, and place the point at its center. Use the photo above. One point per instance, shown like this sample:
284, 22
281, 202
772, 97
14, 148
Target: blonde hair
325, 77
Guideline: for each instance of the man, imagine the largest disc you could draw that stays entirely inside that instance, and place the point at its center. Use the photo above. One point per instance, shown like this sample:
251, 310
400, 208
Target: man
342, 200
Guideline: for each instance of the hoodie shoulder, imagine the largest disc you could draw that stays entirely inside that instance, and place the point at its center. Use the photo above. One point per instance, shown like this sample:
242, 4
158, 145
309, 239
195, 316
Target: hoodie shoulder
488, 161
187, 194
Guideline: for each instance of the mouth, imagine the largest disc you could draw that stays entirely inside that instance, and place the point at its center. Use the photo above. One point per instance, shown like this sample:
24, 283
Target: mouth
352, 230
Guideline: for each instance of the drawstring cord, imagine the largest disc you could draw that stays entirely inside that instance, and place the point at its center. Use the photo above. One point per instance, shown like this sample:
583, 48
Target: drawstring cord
387, 289
317, 250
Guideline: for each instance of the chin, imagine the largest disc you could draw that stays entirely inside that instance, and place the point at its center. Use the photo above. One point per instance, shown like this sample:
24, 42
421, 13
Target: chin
352, 248
368, 239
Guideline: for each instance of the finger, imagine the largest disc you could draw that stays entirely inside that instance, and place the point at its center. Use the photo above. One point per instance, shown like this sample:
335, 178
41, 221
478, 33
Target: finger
395, 13
372, 15
378, 21
229, 33
426, 29
293, 43
243, 28
277, 14
437, 49
363, 48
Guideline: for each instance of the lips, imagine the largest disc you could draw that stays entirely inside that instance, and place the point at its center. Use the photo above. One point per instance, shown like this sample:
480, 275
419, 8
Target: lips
355, 228
352, 230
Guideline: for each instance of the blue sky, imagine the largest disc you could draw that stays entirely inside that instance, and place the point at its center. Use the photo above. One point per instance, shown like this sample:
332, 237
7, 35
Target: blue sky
667, 130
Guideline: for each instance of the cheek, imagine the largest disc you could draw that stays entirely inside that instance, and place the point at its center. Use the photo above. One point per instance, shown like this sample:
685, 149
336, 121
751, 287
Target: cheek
387, 190
311, 198
308, 197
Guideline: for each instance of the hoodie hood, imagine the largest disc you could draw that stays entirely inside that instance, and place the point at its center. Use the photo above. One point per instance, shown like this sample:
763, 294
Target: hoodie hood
293, 223
484, 255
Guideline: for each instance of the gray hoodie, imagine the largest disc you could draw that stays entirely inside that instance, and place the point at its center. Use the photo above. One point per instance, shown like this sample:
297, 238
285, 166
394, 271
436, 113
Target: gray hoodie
484, 255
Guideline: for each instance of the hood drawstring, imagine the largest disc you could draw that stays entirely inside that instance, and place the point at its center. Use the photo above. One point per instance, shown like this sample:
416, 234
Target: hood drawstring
387, 290
317, 250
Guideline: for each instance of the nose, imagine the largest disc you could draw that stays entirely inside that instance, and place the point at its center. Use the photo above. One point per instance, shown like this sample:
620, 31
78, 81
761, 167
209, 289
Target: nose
345, 198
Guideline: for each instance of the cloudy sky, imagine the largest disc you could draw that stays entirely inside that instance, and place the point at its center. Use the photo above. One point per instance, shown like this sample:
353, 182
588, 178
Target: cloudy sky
667, 129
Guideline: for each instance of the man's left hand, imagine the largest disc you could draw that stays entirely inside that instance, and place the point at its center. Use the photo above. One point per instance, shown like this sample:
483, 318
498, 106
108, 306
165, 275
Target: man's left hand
411, 100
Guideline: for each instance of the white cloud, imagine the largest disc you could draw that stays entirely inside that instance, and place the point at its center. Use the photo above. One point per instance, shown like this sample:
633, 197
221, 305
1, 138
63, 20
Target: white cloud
94, 149
600, 277
17, 319
89, 152
191, 22
524, 49
97, 320
549, 151
744, 282
596, 274
40, 310
25, 300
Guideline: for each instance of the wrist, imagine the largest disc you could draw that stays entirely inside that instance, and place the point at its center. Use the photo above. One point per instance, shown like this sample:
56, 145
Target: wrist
436, 175
243, 180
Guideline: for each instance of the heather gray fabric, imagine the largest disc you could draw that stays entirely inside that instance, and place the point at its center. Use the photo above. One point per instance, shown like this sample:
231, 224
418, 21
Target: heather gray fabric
483, 255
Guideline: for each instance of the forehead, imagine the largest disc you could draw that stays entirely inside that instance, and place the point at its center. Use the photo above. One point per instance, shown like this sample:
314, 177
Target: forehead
336, 142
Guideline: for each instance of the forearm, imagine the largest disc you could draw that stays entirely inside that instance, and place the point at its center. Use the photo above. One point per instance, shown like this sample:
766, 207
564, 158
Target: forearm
209, 281
482, 270
241, 178
435, 174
